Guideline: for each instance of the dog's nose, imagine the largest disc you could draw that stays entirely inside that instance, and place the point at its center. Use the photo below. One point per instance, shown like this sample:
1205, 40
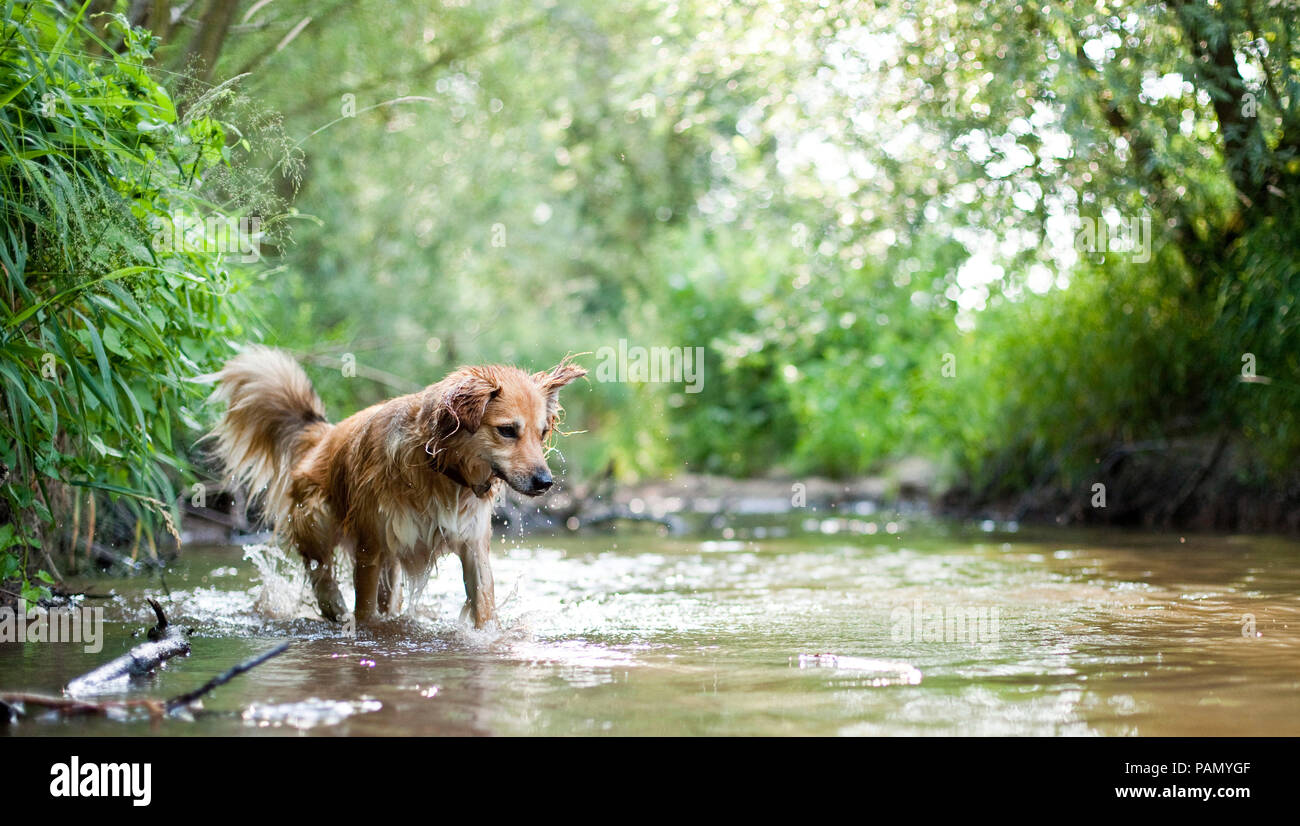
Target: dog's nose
541, 481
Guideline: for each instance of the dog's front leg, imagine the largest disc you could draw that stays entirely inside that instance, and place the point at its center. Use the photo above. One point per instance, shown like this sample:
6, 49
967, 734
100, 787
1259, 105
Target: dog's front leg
365, 580
480, 599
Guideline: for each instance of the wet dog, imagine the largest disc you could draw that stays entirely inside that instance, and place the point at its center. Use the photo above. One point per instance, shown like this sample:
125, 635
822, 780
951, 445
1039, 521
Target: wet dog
397, 485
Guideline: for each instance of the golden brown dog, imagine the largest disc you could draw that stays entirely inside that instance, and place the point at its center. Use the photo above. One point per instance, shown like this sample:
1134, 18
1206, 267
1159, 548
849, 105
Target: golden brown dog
398, 484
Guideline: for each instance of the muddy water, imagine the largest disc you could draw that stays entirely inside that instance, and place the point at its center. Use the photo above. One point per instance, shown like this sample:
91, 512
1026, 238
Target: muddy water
799, 628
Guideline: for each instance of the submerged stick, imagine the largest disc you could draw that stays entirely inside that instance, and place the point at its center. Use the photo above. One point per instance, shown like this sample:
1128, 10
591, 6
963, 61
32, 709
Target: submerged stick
14, 705
165, 641
223, 678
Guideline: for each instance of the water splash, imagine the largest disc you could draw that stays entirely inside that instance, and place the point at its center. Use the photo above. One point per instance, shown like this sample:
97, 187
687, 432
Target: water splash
283, 590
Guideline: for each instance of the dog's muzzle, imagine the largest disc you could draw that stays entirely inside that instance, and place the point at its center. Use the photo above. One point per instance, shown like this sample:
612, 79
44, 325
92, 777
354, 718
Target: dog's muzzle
540, 483
537, 484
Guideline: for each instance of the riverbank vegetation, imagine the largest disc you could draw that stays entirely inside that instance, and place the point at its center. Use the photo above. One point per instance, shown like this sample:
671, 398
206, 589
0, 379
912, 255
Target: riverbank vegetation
1048, 248
115, 293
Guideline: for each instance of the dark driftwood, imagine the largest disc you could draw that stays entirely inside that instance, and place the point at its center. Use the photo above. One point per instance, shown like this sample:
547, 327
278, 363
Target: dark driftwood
165, 641
225, 677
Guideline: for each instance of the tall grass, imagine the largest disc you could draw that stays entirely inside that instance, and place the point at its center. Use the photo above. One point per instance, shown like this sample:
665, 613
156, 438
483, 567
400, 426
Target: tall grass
103, 315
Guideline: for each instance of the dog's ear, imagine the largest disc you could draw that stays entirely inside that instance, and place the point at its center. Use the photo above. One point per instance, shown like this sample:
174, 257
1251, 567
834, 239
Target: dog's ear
460, 407
550, 382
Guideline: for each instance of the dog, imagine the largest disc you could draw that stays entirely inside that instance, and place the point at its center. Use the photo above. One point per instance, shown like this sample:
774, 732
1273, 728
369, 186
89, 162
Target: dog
397, 485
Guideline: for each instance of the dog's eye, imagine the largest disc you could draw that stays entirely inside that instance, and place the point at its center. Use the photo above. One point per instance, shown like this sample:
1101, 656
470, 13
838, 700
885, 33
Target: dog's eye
508, 430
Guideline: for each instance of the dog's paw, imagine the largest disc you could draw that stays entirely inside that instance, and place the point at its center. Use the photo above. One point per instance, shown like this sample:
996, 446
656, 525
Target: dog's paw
333, 609
470, 619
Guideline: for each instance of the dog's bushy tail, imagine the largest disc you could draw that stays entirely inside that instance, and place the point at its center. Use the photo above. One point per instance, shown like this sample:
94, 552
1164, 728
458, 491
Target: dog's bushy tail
272, 416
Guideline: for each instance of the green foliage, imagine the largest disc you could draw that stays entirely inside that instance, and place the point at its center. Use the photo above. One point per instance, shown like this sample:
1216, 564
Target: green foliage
107, 312
814, 194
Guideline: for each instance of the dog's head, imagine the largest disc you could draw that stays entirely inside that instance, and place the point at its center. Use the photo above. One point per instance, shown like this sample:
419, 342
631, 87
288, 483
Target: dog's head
496, 422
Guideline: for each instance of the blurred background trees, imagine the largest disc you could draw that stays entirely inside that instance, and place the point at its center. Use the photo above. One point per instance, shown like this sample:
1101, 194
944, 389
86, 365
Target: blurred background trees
830, 198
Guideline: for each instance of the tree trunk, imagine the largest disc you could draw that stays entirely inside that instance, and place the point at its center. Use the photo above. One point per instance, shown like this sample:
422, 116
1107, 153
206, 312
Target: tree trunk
205, 48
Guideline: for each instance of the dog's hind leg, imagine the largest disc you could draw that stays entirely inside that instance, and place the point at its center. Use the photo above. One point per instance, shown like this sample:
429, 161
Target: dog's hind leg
328, 597
314, 536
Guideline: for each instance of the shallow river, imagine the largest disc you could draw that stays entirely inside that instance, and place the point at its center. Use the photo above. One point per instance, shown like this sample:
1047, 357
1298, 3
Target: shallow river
851, 627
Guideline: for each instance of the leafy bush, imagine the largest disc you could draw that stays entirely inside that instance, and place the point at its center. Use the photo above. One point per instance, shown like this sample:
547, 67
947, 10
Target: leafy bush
107, 307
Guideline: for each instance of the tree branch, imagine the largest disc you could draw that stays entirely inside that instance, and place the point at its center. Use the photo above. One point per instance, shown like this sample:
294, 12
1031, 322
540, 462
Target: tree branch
444, 58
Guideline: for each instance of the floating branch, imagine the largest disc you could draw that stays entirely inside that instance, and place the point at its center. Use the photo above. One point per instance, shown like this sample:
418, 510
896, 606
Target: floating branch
165, 641
15, 705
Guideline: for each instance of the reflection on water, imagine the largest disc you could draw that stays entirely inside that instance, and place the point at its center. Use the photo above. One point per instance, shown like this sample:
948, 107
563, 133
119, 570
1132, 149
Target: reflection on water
763, 629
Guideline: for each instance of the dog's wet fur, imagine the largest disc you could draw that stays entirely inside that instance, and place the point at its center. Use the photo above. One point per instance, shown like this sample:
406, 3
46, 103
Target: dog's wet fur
397, 485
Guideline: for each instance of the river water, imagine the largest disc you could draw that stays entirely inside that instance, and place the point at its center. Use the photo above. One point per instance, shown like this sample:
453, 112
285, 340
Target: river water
777, 627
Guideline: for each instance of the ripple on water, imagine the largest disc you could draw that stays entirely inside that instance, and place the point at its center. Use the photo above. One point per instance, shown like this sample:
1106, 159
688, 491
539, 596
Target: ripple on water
307, 714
